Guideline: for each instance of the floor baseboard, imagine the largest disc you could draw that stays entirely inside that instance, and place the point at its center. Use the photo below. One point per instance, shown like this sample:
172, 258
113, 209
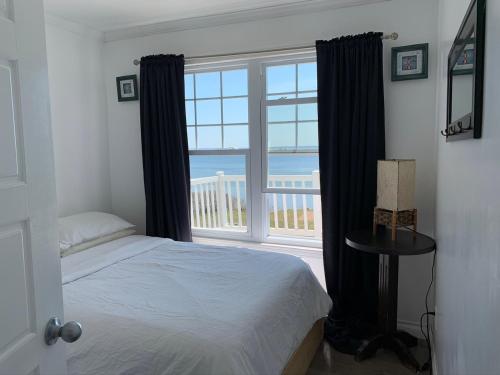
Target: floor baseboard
411, 327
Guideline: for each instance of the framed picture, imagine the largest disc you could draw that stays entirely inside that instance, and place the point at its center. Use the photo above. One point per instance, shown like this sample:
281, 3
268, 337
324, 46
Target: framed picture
127, 88
409, 62
465, 61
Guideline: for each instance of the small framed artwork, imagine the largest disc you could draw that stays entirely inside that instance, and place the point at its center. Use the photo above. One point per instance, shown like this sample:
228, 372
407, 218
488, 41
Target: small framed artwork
465, 61
410, 62
127, 88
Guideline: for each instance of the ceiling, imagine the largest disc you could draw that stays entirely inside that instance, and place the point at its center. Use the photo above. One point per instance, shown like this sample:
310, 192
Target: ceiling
106, 15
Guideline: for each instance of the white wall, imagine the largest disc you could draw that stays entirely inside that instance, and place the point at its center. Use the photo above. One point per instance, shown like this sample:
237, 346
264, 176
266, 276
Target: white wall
468, 219
410, 106
78, 106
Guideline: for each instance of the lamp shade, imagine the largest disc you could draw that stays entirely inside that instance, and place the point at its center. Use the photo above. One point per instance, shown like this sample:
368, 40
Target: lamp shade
396, 184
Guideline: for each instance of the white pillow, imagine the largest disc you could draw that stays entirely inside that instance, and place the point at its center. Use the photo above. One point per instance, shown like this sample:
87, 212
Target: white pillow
87, 226
96, 242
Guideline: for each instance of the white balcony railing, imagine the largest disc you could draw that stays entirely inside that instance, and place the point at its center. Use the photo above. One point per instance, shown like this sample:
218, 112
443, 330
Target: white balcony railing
219, 202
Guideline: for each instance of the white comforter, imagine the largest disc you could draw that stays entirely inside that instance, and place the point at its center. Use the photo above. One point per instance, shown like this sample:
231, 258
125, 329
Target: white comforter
156, 306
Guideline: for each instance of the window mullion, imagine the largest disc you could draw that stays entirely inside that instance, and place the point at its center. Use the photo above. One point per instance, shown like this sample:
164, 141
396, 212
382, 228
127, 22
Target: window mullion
255, 141
221, 111
195, 112
296, 107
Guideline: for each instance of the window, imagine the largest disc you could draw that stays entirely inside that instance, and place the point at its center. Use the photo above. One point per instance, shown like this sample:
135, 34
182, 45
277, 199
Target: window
291, 122
217, 124
217, 110
258, 120
290, 150
218, 191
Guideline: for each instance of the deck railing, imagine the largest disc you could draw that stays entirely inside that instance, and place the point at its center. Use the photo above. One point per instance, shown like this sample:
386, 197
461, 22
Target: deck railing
219, 203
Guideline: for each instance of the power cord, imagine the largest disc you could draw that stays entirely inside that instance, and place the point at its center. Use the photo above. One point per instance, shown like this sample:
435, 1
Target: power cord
428, 364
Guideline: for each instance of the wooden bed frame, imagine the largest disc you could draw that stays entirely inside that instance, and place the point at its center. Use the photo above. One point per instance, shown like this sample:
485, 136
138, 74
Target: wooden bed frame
302, 357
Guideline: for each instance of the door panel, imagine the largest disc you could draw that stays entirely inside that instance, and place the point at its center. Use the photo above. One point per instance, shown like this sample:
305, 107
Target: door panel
16, 301
30, 276
9, 134
4, 8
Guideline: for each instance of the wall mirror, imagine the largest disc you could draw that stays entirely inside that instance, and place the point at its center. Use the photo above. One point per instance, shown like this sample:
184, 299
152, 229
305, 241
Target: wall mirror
465, 76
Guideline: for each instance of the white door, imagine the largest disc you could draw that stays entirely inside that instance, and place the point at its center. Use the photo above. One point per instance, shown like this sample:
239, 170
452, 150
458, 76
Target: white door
30, 280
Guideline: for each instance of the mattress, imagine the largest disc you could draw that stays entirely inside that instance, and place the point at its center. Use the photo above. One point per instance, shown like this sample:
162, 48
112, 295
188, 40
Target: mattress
155, 306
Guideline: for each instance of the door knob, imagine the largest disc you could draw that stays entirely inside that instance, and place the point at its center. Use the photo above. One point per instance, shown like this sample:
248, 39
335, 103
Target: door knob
70, 332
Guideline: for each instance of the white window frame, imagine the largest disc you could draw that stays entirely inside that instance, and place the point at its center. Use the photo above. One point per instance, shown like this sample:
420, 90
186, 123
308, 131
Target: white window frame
266, 103
224, 233
256, 154
265, 188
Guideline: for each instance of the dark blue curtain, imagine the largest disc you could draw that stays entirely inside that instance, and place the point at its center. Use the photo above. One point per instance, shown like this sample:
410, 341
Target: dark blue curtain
351, 140
165, 154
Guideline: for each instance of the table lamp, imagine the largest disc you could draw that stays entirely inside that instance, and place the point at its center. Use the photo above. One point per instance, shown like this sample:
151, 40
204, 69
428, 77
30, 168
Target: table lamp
395, 195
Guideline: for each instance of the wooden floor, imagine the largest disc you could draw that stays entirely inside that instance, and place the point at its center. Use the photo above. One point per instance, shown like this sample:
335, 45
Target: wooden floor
329, 361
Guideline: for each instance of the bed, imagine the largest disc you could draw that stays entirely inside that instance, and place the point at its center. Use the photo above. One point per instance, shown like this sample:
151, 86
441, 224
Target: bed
155, 306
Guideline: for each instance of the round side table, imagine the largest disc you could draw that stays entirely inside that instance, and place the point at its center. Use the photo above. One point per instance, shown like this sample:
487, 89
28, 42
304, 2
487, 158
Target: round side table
407, 243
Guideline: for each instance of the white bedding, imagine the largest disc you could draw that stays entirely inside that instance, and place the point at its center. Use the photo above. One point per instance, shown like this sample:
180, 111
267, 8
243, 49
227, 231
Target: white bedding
156, 306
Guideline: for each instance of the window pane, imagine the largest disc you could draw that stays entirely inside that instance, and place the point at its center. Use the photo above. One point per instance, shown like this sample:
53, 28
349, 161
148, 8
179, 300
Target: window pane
236, 136
190, 112
209, 137
307, 136
277, 113
280, 79
216, 183
207, 85
281, 136
307, 76
294, 215
234, 82
235, 111
308, 112
208, 165
292, 130
189, 86
293, 164
191, 131
208, 112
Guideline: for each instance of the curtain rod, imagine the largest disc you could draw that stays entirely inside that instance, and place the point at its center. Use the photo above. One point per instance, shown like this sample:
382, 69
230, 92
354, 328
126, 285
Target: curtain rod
392, 36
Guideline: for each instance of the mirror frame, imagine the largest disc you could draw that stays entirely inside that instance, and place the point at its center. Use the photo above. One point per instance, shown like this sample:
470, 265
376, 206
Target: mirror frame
474, 21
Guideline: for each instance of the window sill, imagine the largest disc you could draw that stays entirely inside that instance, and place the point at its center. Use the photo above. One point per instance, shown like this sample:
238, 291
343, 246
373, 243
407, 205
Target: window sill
300, 251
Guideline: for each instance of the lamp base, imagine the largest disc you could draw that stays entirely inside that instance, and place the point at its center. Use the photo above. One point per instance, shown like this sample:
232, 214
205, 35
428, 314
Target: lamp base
394, 219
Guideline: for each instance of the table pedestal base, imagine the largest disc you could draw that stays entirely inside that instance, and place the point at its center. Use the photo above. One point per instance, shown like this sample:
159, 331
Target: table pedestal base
390, 337
399, 342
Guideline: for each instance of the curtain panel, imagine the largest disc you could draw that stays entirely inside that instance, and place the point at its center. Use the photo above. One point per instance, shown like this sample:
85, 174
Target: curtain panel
165, 153
351, 140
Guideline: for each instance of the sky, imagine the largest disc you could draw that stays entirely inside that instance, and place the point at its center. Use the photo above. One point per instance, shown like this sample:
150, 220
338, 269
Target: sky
216, 98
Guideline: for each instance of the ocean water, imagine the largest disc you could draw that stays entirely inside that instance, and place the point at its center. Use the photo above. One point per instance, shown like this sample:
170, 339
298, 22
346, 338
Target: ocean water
206, 166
